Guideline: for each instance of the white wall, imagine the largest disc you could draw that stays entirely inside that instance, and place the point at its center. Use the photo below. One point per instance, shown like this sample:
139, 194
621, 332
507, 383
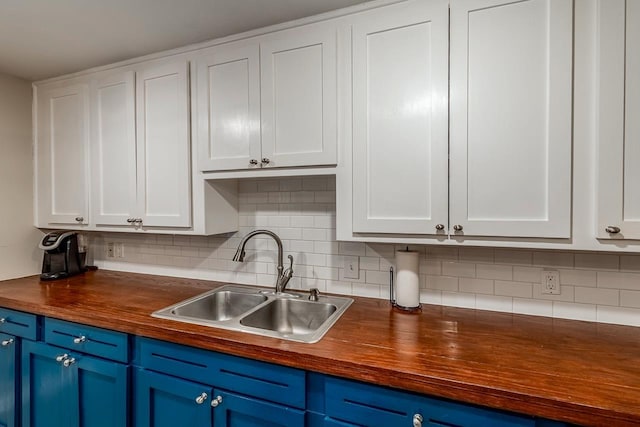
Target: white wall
19, 253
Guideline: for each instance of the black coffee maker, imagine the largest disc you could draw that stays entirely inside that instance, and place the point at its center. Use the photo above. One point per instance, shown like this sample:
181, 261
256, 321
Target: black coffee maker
62, 258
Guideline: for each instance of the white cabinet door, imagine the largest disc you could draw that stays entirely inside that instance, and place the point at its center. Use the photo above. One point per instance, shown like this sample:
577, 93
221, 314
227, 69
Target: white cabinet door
228, 107
400, 57
61, 155
510, 118
113, 149
299, 96
163, 148
619, 119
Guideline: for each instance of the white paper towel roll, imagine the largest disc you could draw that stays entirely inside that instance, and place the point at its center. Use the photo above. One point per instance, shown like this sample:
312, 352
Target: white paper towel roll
407, 279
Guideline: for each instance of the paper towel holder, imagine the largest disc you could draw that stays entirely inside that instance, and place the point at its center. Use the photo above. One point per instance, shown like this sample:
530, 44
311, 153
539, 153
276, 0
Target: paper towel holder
392, 300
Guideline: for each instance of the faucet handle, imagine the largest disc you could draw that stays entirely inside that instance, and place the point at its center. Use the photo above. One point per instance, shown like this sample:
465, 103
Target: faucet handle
290, 262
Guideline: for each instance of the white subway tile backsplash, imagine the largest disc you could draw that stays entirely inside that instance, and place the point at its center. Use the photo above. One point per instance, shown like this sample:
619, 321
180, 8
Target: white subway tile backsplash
458, 269
603, 287
513, 289
475, 286
574, 311
597, 296
610, 280
494, 271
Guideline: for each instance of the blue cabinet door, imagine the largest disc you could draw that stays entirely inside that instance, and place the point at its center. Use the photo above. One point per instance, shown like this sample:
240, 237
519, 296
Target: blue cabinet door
84, 392
46, 387
164, 401
100, 388
8, 389
233, 410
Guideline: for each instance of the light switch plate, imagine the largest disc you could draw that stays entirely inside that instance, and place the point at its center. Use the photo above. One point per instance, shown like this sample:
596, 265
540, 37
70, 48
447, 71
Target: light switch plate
351, 266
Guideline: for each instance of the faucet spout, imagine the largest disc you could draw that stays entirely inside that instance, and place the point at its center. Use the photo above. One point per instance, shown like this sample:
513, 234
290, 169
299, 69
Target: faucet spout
283, 275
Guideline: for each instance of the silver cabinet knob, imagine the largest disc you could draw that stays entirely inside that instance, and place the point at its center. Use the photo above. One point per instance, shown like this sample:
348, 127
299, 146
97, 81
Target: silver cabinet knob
440, 227
612, 229
2, 320
265, 161
79, 218
8, 342
417, 420
253, 162
215, 402
200, 399
62, 357
68, 362
79, 340
457, 227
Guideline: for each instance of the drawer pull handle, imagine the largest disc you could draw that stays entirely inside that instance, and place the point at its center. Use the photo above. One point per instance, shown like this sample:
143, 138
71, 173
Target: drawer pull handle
440, 227
8, 342
417, 420
253, 162
68, 362
62, 357
2, 320
79, 340
200, 399
612, 229
131, 220
215, 402
457, 227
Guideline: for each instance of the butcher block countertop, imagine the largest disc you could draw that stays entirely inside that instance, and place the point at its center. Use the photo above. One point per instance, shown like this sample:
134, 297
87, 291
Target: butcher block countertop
580, 372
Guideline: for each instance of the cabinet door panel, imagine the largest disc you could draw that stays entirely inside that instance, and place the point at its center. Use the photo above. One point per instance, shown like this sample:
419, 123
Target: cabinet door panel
164, 401
510, 142
46, 388
228, 100
619, 119
240, 411
299, 96
113, 145
163, 145
61, 162
400, 119
8, 353
101, 388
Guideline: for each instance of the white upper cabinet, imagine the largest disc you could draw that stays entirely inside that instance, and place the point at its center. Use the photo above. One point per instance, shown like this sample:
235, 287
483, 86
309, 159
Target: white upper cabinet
140, 147
228, 103
400, 102
269, 101
618, 119
113, 149
163, 145
62, 134
510, 118
299, 96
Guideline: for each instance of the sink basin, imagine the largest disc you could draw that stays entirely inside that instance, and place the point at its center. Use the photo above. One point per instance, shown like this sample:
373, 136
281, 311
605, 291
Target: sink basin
289, 316
222, 305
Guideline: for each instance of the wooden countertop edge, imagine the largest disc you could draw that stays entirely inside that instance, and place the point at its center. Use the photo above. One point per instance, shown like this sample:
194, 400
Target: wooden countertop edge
279, 353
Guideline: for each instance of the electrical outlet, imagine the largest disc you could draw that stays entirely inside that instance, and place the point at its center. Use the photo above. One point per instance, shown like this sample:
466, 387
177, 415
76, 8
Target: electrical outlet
111, 251
351, 266
119, 250
551, 282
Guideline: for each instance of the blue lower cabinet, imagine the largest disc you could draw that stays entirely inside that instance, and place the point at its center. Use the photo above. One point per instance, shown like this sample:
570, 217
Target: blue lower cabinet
233, 410
9, 345
63, 389
165, 401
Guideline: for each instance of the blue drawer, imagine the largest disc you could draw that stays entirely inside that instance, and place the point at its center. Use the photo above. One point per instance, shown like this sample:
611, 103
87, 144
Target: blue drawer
20, 324
365, 404
265, 381
87, 339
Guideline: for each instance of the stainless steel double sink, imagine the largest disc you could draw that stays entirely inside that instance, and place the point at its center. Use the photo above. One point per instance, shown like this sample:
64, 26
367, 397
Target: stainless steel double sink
258, 311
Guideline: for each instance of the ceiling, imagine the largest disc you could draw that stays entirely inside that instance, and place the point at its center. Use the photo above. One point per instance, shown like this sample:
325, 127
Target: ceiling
47, 38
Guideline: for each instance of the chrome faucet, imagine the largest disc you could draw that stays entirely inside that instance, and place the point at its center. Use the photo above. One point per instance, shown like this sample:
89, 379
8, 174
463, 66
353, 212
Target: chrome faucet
283, 275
